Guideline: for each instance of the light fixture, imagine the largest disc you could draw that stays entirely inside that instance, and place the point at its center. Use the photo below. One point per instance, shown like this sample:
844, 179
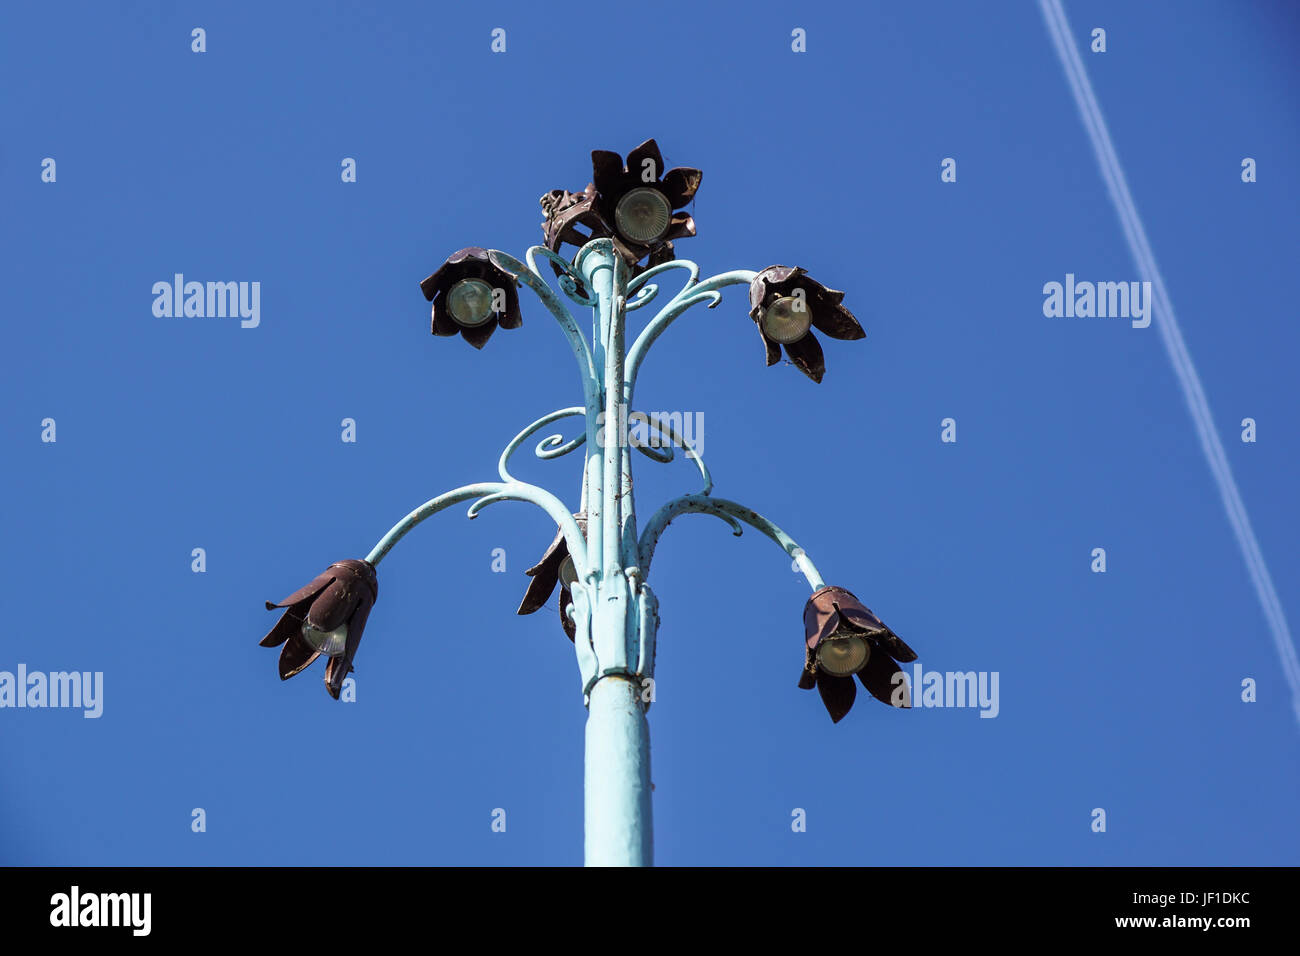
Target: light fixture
643, 215
786, 320
843, 638
636, 203
471, 296
784, 302
470, 302
327, 616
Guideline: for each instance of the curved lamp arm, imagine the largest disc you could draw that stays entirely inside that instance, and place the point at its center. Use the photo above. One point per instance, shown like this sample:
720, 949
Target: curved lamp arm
530, 276
490, 492
732, 513
693, 293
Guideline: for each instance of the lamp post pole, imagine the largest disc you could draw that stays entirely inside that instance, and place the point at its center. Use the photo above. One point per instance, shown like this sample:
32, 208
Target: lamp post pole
617, 814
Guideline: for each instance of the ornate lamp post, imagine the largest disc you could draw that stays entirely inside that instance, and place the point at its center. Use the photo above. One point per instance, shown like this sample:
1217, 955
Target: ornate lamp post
631, 213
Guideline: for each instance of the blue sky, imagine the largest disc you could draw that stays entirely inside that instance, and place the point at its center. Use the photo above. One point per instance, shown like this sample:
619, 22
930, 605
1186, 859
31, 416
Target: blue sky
1119, 690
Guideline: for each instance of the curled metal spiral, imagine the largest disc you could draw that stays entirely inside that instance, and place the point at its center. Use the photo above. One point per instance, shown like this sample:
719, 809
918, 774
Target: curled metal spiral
570, 282
546, 449
665, 454
644, 296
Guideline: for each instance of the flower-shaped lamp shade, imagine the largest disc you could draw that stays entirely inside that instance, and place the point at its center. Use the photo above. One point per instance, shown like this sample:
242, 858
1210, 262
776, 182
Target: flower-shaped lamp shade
787, 305
842, 637
326, 617
471, 296
556, 567
641, 203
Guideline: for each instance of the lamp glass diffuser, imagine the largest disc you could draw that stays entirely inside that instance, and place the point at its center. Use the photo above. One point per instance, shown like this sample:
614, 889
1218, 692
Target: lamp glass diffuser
843, 656
786, 320
470, 302
643, 215
329, 643
568, 573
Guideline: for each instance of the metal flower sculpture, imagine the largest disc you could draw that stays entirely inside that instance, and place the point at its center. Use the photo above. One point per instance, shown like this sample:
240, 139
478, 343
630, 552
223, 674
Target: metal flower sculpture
786, 305
325, 617
637, 206
472, 295
641, 202
843, 638
556, 567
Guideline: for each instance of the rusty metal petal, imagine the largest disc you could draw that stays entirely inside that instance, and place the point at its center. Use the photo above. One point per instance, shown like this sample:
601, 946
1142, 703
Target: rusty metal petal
479, 334
429, 285
444, 273
443, 324
680, 185
546, 572
338, 668
296, 656
662, 253
773, 349
838, 694
337, 602
894, 646
635, 160
858, 614
318, 584
807, 678
807, 356
836, 321
878, 677
606, 170
831, 608
290, 623
681, 227
825, 610
545, 575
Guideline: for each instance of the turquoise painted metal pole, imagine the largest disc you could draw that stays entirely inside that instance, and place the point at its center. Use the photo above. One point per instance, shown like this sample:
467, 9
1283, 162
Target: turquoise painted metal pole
617, 777
614, 612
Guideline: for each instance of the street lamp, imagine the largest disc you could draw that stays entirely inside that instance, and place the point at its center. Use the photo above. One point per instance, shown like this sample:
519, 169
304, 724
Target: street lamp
844, 638
624, 224
325, 617
472, 295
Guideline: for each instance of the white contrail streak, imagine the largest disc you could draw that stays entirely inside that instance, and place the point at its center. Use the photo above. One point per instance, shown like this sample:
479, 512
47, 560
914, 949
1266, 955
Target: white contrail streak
1167, 322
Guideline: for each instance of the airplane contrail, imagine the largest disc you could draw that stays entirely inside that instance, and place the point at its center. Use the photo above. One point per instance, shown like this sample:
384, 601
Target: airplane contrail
1167, 323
